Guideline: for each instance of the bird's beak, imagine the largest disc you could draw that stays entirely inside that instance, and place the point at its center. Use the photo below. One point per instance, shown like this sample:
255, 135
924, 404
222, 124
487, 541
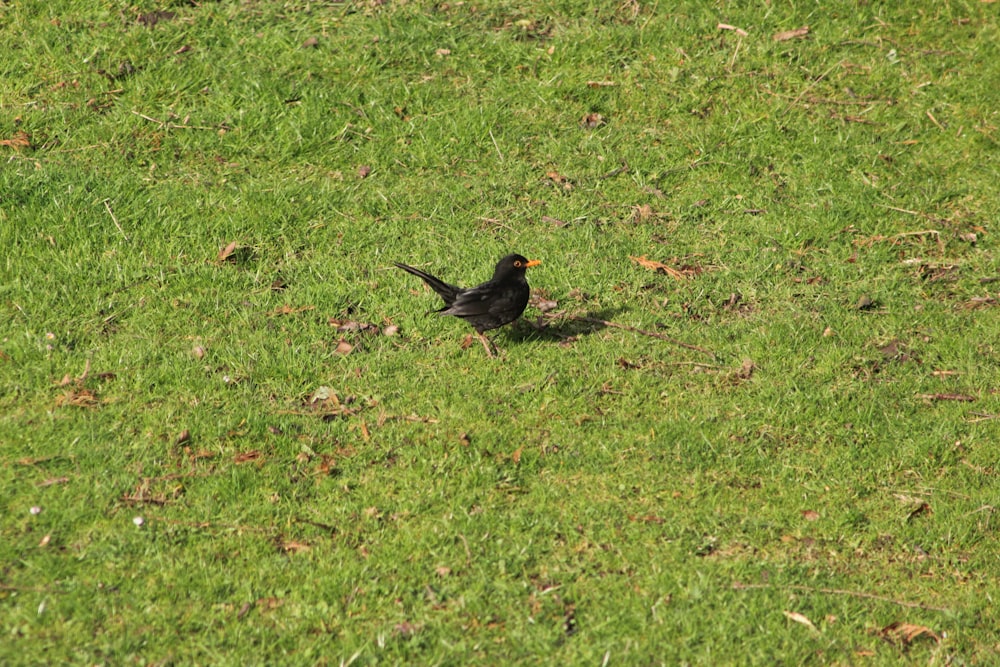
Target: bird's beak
533, 262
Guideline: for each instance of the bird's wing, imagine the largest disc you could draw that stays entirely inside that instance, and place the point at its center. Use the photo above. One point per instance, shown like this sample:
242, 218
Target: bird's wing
473, 301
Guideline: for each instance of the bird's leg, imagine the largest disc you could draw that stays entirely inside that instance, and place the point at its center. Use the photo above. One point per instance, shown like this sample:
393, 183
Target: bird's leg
487, 343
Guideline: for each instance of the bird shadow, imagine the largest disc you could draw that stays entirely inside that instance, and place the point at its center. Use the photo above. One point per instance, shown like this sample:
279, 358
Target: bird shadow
562, 328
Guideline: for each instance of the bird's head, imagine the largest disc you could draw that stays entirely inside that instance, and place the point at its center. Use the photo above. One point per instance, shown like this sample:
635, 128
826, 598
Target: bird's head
513, 265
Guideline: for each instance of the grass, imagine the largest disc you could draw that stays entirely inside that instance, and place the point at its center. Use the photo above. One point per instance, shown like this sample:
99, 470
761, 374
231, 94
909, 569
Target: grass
596, 495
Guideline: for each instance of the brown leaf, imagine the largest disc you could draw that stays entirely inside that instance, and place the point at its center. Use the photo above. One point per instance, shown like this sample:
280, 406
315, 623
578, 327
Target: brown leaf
45, 541
245, 457
600, 84
516, 456
21, 139
739, 31
343, 347
790, 34
442, 571
183, 49
267, 604
310, 43
327, 465
364, 170
83, 398
185, 436
226, 252
443, 52
290, 310
906, 633
465, 440
52, 480
659, 267
390, 330
810, 515
642, 212
292, 547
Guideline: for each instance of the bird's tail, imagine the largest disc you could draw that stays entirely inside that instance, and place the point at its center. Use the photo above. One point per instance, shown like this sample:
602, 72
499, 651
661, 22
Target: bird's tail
447, 292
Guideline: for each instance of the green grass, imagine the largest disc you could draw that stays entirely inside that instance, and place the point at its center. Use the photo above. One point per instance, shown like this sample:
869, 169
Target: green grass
594, 495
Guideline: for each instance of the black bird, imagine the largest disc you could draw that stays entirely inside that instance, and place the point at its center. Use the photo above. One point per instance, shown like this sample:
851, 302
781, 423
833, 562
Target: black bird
498, 301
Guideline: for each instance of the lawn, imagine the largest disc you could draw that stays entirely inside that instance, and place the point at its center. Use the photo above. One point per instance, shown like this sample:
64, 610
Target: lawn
751, 415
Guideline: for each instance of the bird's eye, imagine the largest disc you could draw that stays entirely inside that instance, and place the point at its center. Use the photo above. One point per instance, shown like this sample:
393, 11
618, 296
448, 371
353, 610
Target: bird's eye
517, 263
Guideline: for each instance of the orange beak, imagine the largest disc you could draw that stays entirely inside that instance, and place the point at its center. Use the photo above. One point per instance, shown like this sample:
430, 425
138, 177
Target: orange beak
533, 262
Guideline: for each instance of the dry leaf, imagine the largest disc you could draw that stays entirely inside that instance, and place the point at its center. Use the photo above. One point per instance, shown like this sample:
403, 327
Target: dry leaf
799, 618
226, 252
642, 212
52, 480
659, 267
364, 170
390, 330
790, 34
21, 139
185, 436
310, 43
45, 541
443, 52
269, 603
327, 465
905, 633
442, 571
289, 310
81, 399
465, 440
244, 457
292, 547
516, 456
810, 515
600, 84
343, 347
739, 31
183, 49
